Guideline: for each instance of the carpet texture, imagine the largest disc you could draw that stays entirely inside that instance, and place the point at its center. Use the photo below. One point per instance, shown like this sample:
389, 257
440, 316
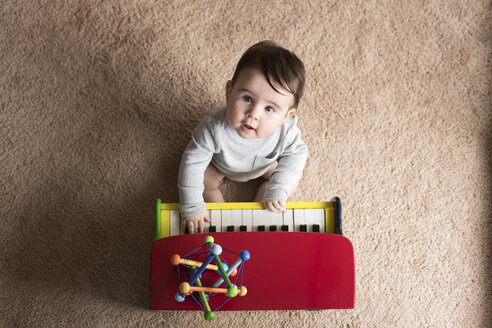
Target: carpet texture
98, 100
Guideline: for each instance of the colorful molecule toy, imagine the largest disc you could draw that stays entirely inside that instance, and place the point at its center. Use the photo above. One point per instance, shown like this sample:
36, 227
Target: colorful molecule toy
195, 281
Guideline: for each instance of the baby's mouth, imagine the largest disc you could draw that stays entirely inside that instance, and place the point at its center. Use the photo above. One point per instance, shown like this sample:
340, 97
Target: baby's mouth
247, 126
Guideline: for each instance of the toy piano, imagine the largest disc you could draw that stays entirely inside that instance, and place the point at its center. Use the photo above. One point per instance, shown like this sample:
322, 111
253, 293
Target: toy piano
297, 260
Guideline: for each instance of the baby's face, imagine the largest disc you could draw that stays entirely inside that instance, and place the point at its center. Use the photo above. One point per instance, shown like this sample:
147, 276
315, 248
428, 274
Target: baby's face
254, 108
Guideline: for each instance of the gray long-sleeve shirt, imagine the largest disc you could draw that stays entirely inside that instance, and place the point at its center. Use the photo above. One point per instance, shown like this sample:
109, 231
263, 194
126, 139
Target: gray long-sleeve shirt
239, 159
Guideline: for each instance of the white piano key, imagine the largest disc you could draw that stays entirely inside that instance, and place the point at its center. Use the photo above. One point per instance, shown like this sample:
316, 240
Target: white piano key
314, 216
258, 219
174, 223
226, 219
309, 218
247, 219
298, 219
236, 219
277, 220
267, 219
216, 219
288, 220
319, 218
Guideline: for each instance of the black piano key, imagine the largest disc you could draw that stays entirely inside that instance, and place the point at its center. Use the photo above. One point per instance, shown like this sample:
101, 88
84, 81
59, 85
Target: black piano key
285, 227
315, 227
261, 228
230, 228
243, 228
303, 228
273, 228
212, 229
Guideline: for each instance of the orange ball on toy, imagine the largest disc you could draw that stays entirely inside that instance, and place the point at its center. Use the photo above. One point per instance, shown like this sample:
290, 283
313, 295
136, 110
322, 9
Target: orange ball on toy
184, 287
243, 291
175, 259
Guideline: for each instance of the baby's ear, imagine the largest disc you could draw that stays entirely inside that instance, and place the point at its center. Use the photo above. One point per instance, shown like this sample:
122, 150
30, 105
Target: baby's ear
291, 112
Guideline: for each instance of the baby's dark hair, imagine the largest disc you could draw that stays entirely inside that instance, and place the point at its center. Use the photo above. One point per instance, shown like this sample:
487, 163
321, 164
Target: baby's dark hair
277, 64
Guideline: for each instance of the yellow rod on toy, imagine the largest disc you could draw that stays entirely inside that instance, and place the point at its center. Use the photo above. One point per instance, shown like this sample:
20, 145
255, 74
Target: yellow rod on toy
176, 259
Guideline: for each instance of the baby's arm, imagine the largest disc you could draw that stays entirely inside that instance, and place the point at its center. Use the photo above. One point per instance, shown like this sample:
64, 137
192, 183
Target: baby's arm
284, 179
195, 160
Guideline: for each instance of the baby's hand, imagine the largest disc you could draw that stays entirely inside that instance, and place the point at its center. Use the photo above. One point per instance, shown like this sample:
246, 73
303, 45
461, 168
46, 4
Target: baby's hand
275, 205
195, 222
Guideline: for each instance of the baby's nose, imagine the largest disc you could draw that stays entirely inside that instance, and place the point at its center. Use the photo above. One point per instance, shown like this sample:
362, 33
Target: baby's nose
255, 112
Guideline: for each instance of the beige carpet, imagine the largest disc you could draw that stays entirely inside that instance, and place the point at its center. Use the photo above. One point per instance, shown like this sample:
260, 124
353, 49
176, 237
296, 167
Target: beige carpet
97, 102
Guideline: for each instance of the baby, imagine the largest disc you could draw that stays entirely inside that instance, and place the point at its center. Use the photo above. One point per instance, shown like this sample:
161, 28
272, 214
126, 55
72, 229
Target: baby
254, 135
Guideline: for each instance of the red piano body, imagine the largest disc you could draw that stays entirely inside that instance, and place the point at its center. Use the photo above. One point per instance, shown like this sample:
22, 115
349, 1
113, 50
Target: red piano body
286, 271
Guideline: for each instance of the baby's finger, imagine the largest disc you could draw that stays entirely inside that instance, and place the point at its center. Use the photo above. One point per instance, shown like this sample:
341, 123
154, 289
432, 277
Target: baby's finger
200, 226
191, 228
278, 208
270, 205
206, 218
273, 206
277, 204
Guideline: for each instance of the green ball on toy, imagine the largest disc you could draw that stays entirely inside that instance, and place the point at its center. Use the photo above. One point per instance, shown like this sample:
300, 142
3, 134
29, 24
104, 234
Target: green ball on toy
209, 315
232, 291
208, 240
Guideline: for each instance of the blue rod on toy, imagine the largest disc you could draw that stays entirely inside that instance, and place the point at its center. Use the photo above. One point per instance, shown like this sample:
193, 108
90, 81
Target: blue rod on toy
201, 269
243, 256
228, 272
214, 250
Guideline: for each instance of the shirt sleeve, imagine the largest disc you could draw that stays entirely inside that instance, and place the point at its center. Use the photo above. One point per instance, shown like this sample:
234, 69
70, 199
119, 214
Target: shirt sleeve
194, 162
290, 166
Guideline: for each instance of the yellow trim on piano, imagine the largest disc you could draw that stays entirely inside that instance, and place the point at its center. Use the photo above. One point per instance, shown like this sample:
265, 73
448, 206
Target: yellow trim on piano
165, 229
253, 205
163, 224
330, 220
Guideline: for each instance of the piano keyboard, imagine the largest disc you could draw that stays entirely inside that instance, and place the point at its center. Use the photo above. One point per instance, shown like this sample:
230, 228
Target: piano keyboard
311, 217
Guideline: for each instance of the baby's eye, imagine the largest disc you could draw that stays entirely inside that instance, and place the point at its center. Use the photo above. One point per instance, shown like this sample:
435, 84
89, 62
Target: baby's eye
248, 99
269, 109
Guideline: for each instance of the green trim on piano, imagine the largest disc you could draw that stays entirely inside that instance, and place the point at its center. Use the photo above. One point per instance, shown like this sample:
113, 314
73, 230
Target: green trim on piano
332, 213
157, 220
